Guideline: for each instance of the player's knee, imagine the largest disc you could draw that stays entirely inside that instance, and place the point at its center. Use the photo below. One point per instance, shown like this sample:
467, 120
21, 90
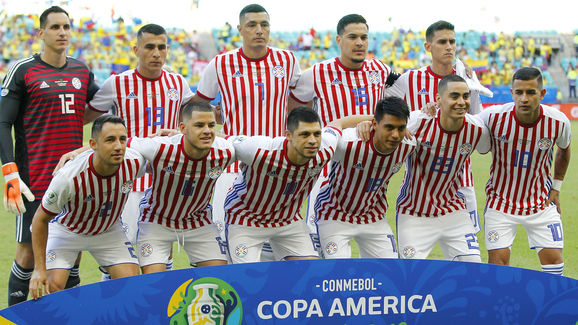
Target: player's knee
469, 258
24, 255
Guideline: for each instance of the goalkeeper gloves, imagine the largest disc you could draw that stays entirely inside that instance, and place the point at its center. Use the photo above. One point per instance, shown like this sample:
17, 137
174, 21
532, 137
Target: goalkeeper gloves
14, 188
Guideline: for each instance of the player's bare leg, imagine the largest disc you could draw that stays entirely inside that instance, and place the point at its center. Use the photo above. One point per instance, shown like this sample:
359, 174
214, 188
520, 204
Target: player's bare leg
57, 279
211, 263
550, 256
24, 255
499, 256
154, 268
122, 270
294, 258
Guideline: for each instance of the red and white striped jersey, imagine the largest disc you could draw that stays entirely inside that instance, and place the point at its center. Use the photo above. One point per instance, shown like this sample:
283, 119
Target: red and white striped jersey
254, 91
434, 171
339, 91
270, 190
357, 185
85, 202
182, 186
420, 87
146, 105
522, 157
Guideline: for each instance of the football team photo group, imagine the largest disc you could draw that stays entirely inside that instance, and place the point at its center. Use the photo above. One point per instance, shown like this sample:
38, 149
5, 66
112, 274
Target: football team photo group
299, 170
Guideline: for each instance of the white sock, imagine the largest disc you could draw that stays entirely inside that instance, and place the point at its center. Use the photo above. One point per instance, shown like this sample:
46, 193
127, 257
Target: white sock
169, 265
556, 269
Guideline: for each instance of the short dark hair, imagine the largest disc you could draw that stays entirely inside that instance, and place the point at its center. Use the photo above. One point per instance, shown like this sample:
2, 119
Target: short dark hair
53, 9
301, 114
393, 106
350, 19
438, 25
151, 29
195, 106
528, 73
251, 8
99, 122
447, 79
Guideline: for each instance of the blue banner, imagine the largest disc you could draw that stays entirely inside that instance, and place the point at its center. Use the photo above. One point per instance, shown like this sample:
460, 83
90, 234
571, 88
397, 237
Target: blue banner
355, 291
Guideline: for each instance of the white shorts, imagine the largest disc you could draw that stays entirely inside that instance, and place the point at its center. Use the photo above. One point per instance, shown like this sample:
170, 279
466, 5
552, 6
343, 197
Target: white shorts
416, 236
131, 214
311, 215
109, 248
245, 243
469, 195
154, 243
375, 240
544, 229
222, 186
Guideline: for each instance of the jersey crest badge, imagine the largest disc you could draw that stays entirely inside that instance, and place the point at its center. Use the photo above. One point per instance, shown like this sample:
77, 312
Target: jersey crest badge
146, 250
397, 167
336, 82
426, 144
312, 172
126, 187
215, 172
422, 92
173, 94
544, 144
331, 248
237, 74
44, 85
4, 92
503, 138
169, 170
50, 256
272, 174
493, 236
241, 250
279, 71
374, 77
89, 198
408, 252
358, 166
465, 149
76, 83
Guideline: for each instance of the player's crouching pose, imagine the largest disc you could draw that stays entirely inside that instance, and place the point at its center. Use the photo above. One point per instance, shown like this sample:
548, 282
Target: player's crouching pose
276, 176
185, 168
429, 209
520, 190
352, 204
83, 204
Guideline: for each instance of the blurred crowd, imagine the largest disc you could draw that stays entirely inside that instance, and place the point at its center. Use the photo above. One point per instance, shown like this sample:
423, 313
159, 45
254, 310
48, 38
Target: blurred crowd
495, 57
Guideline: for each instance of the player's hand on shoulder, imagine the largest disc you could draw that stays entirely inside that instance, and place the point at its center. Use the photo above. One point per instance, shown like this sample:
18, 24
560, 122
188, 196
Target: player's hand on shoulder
38, 284
364, 129
430, 109
68, 157
408, 135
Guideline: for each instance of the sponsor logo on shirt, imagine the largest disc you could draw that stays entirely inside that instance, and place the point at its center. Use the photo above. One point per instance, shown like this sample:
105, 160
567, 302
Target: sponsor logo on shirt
336, 82
503, 138
44, 85
126, 187
465, 149
426, 144
89, 198
237, 74
279, 71
422, 92
173, 94
544, 144
358, 166
61, 83
374, 77
272, 174
131, 96
76, 83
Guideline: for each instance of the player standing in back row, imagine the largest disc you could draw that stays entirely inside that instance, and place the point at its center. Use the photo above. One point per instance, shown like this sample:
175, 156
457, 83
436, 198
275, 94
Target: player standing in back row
44, 98
520, 189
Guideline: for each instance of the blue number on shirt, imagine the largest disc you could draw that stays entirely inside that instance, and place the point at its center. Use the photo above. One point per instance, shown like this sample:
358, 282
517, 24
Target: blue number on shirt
361, 96
442, 164
261, 87
155, 116
188, 187
472, 241
105, 210
556, 229
373, 184
290, 188
130, 249
522, 160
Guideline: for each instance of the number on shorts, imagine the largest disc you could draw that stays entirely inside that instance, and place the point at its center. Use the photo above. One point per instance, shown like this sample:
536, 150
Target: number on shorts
556, 229
130, 249
392, 239
472, 241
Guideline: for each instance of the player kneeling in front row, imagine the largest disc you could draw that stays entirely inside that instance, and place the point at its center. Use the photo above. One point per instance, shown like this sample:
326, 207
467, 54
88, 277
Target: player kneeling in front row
276, 176
352, 204
81, 208
429, 209
185, 168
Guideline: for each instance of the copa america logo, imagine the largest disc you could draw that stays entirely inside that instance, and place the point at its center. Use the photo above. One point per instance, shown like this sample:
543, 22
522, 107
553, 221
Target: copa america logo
493, 236
544, 144
408, 252
331, 248
241, 250
374, 77
146, 250
279, 71
173, 94
465, 148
